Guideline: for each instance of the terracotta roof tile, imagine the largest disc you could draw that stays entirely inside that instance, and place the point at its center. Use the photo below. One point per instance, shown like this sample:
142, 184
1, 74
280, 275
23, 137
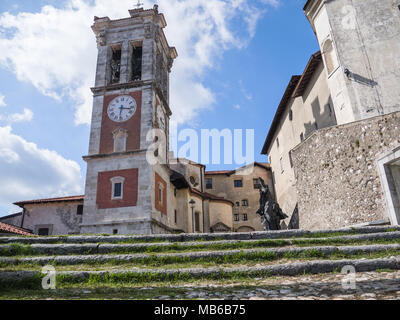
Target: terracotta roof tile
12, 229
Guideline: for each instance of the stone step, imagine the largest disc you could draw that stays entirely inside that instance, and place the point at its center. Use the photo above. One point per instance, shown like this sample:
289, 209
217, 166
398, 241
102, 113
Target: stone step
29, 278
246, 254
107, 248
283, 234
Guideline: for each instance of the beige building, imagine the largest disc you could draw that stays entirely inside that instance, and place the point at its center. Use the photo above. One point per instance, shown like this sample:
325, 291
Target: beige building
333, 144
241, 187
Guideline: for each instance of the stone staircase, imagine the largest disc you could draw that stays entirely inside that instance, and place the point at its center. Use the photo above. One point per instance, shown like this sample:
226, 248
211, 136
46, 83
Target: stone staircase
293, 264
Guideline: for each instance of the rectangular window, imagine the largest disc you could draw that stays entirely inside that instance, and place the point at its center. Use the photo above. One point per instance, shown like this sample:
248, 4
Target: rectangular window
238, 183
115, 231
245, 203
136, 63
160, 192
197, 221
277, 142
290, 159
118, 190
236, 217
245, 218
291, 115
176, 217
281, 162
256, 184
79, 210
209, 184
302, 137
115, 65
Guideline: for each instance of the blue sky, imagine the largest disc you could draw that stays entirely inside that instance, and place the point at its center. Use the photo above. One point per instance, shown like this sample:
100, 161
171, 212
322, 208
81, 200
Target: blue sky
240, 68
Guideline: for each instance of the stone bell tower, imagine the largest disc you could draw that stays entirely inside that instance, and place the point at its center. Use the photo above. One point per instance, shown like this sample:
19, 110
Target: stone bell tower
360, 44
130, 97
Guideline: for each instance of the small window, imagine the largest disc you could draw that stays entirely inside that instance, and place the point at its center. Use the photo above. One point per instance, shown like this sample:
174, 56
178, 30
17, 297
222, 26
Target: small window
256, 184
209, 184
277, 142
290, 159
302, 137
79, 210
160, 194
236, 217
176, 216
118, 190
244, 217
291, 115
281, 162
245, 203
197, 221
238, 183
115, 231
43, 231
237, 204
175, 192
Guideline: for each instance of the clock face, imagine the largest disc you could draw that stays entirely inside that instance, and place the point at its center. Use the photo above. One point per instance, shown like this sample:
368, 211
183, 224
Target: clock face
161, 118
121, 108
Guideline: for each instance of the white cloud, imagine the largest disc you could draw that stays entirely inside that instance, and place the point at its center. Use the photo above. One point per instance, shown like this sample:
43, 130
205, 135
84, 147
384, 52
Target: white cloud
55, 49
237, 106
28, 172
2, 101
26, 116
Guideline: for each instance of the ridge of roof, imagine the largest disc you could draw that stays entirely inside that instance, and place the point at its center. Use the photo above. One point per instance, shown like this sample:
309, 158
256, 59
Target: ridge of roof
48, 200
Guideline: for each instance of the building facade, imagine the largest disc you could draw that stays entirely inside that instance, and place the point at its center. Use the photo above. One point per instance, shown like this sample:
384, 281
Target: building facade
337, 122
242, 189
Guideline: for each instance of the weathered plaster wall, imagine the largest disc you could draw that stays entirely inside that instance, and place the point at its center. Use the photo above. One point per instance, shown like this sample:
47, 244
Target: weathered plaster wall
60, 218
366, 40
310, 112
336, 169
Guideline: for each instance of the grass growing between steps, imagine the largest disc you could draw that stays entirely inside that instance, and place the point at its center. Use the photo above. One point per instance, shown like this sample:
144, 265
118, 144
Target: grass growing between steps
229, 261
19, 250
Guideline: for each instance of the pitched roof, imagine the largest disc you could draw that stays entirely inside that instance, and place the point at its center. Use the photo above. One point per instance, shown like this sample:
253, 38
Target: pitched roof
8, 228
307, 75
231, 172
11, 216
295, 88
62, 199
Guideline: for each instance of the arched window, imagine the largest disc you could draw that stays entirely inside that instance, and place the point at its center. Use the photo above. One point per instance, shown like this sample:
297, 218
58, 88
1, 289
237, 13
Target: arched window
329, 56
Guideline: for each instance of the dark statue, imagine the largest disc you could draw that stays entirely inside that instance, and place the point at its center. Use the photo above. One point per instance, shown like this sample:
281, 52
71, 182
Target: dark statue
270, 212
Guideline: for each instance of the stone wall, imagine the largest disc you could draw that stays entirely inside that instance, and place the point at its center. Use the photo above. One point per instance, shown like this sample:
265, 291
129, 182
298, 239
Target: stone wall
337, 178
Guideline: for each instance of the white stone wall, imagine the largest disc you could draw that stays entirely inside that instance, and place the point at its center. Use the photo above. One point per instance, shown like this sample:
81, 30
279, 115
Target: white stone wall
366, 38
